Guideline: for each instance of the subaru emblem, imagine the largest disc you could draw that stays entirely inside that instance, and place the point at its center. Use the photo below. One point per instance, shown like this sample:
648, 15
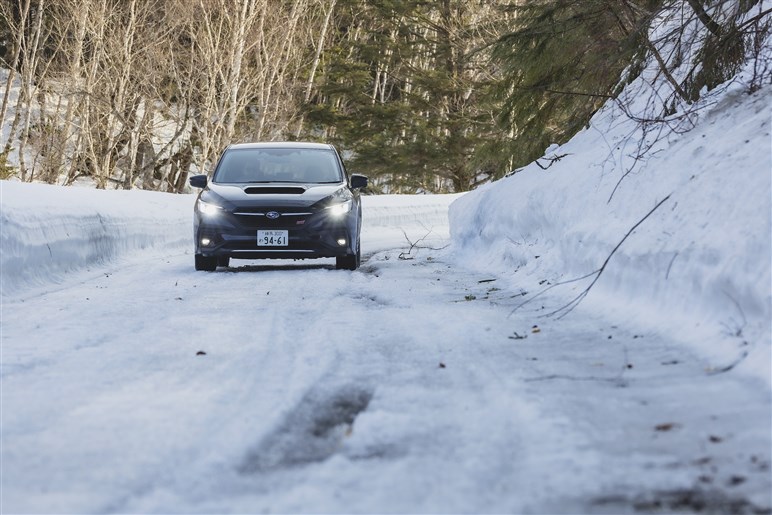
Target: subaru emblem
273, 215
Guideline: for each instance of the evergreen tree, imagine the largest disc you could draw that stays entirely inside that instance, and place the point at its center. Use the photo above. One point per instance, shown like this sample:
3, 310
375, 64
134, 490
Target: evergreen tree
406, 89
562, 62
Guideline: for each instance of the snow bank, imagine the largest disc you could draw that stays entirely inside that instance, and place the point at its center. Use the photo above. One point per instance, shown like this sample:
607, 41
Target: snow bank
47, 231
697, 269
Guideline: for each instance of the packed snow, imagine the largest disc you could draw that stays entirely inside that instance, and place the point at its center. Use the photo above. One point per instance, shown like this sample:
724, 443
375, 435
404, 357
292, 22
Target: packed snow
137, 385
451, 373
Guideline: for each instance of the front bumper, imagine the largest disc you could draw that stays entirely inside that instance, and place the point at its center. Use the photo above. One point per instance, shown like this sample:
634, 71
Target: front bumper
310, 235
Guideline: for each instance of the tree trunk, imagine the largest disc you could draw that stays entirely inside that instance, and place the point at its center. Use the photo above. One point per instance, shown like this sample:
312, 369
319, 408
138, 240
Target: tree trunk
28, 80
315, 64
12, 71
705, 18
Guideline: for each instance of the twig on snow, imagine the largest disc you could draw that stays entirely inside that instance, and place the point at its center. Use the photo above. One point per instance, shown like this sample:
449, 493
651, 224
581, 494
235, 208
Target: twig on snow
552, 160
669, 266
406, 256
568, 307
739, 331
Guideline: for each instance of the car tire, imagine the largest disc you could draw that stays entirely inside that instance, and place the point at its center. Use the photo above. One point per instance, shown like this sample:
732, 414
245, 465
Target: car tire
223, 261
205, 263
346, 262
349, 261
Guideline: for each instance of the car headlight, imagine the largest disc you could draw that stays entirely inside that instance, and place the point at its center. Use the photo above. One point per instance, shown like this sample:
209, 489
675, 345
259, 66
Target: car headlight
338, 210
208, 209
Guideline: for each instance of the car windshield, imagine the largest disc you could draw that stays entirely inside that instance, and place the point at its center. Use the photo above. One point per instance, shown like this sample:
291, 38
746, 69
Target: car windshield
261, 165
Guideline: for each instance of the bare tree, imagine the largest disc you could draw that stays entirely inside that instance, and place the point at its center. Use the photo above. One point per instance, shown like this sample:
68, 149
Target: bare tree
19, 29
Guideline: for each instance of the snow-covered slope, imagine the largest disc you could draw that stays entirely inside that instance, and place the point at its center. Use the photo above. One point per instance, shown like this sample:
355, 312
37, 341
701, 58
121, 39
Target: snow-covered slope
698, 268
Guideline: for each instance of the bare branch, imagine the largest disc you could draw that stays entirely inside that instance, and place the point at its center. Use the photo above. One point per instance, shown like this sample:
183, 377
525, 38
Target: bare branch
407, 256
568, 307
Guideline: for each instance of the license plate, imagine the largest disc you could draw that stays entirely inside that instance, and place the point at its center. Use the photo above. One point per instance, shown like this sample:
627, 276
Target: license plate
272, 238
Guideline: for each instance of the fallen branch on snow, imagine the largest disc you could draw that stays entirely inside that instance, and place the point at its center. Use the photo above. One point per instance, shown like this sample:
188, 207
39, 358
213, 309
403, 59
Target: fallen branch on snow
406, 256
568, 307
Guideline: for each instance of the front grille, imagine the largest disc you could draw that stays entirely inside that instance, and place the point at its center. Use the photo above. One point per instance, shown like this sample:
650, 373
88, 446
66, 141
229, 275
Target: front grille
261, 221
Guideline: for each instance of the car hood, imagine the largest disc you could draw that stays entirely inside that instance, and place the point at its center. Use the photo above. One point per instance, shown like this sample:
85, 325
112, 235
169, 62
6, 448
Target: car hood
273, 194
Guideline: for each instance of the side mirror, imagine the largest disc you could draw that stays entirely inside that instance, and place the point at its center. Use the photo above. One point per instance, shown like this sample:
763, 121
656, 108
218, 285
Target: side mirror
358, 182
198, 181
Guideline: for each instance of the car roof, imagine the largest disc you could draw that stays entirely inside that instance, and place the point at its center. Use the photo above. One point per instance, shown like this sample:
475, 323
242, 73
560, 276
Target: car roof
282, 144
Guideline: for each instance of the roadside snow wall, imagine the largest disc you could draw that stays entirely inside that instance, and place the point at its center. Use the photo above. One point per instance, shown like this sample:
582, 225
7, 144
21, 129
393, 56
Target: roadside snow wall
47, 231
698, 268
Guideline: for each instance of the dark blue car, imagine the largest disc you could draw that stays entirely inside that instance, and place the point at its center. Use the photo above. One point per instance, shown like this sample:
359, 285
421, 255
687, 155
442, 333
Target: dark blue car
278, 200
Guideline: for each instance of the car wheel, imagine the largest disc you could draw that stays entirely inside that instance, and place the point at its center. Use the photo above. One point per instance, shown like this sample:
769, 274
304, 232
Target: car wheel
207, 264
223, 261
349, 261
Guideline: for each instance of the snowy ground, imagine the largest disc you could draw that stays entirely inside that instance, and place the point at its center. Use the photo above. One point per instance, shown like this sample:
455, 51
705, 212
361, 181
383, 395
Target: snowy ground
405, 386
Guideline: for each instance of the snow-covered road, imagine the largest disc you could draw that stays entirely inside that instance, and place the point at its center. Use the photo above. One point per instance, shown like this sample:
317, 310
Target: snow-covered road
131, 384
406, 386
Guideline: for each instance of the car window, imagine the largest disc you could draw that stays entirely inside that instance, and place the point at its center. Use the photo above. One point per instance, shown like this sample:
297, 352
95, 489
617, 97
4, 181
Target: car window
256, 165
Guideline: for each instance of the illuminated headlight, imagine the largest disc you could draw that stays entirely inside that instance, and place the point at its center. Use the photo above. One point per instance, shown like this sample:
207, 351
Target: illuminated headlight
207, 209
338, 210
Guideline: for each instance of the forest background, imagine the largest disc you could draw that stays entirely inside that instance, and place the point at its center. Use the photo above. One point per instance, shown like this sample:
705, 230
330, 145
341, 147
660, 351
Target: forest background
422, 96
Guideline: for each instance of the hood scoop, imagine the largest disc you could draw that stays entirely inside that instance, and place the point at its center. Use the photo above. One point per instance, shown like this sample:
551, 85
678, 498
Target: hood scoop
274, 190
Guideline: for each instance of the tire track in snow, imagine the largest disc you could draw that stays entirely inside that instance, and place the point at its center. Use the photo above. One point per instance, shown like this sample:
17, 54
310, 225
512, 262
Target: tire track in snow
312, 432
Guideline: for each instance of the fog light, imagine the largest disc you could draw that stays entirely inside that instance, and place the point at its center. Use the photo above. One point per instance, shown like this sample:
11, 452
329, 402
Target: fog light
205, 241
341, 241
